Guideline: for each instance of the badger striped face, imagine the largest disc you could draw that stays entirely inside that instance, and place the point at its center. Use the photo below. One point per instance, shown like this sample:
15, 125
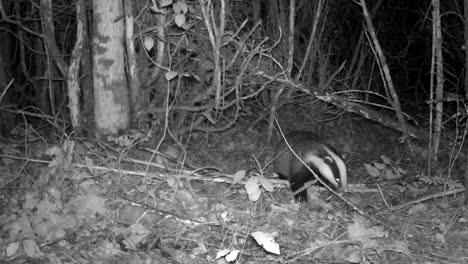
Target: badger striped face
317, 155
338, 168
329, 165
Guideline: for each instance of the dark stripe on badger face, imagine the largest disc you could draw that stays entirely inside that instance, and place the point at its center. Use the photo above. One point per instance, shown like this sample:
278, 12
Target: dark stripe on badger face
302, 175
325, 167
319, 157
338, 167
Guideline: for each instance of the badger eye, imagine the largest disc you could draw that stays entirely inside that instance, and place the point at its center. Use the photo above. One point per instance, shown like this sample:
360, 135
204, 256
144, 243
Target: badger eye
328, 160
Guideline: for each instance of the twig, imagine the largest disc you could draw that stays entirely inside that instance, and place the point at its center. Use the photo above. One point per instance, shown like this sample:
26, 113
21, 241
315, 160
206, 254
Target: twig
383, 197
318, 12
332, 77
166, 127
315, 175
386, 76
6, 89
192, 175
166, 214
433, 196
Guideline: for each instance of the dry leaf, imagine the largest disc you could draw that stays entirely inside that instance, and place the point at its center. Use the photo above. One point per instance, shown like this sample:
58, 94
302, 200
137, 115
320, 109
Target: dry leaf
252, 188
267, 241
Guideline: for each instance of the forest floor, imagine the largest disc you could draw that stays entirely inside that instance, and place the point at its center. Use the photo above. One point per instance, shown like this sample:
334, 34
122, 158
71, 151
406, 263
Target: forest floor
87, 201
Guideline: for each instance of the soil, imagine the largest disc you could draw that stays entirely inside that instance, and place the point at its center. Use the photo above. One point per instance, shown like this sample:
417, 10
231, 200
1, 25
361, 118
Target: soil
87, 201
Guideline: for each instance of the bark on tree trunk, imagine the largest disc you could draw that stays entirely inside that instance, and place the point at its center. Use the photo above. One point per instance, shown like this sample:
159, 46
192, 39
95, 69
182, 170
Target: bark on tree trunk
86, 76
439, 76
73, 77
134, 81
465, 30
111, 94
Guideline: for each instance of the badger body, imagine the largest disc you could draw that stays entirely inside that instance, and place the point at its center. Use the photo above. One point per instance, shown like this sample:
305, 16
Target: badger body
321, 158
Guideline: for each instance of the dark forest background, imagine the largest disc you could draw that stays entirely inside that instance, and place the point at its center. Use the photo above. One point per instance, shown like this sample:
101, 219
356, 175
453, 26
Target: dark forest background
209, 65
144, 131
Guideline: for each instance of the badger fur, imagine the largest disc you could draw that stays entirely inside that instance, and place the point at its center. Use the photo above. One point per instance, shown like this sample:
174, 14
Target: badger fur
320, 157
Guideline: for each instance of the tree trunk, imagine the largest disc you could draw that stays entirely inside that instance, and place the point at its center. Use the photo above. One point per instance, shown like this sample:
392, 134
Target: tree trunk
111, 94
439, 76
86, 77
465, 30
73, 77
133, 80
6, 118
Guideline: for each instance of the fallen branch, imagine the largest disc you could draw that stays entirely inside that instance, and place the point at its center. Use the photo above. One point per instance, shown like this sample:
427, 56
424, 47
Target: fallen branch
432, 196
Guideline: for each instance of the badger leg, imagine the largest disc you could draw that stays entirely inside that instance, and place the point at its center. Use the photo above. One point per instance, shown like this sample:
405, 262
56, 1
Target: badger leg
300, 196
298, 179
282, 176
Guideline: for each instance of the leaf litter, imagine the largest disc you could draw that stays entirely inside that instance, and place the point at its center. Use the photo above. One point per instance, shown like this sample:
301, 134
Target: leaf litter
83, 205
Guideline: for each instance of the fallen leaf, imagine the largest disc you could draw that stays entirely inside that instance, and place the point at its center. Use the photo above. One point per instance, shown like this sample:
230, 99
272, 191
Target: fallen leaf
31, 249
238, 176
266, 183
267, 241
252, 188
12, 248
232, 255
372, 170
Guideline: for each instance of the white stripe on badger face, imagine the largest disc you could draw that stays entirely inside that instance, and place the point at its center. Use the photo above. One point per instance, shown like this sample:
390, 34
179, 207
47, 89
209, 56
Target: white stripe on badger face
341, 167
322, 166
